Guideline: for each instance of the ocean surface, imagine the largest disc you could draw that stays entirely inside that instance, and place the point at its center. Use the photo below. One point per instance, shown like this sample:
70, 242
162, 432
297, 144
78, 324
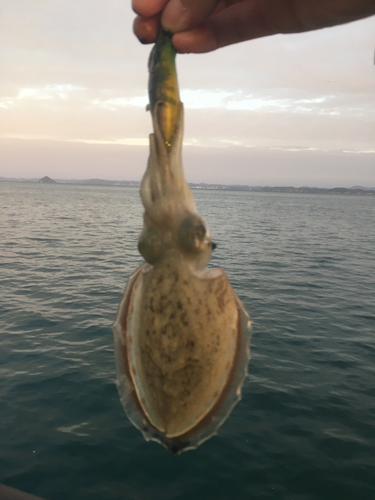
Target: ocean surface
304, 267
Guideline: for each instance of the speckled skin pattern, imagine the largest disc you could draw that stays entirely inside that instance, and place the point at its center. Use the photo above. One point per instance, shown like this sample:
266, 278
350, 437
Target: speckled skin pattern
181, 334
181, 342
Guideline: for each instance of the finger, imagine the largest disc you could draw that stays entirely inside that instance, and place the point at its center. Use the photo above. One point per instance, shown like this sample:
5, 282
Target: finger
148, 8
237, 23
257, 18
180, 15
146, 28
250, 19
196, 41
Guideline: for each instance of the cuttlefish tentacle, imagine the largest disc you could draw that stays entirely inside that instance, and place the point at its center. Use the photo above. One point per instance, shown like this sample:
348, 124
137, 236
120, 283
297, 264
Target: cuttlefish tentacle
181, 333
164, 191
164, 168
165, 195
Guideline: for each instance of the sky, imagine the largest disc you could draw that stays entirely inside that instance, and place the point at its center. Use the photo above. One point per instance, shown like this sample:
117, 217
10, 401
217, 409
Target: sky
283, 110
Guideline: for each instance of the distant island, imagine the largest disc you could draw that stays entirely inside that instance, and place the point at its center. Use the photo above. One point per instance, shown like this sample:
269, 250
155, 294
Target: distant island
355, 190
47, 180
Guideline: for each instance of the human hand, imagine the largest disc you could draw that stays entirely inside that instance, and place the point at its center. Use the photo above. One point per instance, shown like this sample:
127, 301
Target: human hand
205, 25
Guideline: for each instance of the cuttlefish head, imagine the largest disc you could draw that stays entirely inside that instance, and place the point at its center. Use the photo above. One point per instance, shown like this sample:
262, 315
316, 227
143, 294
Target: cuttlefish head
172, 226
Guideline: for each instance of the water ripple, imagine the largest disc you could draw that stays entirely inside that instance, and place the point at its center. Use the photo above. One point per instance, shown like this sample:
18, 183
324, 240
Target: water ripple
304, 268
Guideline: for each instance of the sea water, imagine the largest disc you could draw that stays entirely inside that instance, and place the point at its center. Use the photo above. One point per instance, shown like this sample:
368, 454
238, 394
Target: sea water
304, 267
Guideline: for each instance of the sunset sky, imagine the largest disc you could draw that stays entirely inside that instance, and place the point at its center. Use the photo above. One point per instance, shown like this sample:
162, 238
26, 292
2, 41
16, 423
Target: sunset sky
284, 110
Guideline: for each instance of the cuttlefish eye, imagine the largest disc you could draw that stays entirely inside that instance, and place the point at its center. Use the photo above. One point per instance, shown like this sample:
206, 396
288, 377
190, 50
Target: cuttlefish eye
193, 234
149, 246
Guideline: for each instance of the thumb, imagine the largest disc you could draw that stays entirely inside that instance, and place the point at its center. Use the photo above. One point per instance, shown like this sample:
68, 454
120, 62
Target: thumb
180, 15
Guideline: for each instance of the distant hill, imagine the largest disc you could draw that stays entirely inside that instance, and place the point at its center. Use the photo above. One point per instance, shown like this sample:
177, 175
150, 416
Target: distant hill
355, 190
47, 180
362, 187
98, 182
287, 189
312, 190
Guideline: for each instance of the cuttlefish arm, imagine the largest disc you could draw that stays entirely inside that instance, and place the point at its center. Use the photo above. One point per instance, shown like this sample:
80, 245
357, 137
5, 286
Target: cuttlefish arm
165, 195
181, 333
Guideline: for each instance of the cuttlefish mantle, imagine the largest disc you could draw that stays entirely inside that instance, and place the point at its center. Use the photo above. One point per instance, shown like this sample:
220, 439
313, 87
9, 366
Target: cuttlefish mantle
181, 333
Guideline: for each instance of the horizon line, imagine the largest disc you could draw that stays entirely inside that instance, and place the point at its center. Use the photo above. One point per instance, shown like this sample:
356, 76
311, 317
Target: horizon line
210, 185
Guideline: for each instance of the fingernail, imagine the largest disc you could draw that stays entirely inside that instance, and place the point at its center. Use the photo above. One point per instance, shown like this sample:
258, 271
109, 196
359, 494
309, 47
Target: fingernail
175, 16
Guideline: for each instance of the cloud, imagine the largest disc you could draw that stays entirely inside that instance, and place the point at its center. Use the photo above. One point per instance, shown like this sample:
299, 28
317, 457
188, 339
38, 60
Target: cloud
75, 73
227, 165
50, 91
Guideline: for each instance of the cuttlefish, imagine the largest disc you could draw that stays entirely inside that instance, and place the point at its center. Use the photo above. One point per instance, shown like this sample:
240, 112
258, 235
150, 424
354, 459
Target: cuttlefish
181, 333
